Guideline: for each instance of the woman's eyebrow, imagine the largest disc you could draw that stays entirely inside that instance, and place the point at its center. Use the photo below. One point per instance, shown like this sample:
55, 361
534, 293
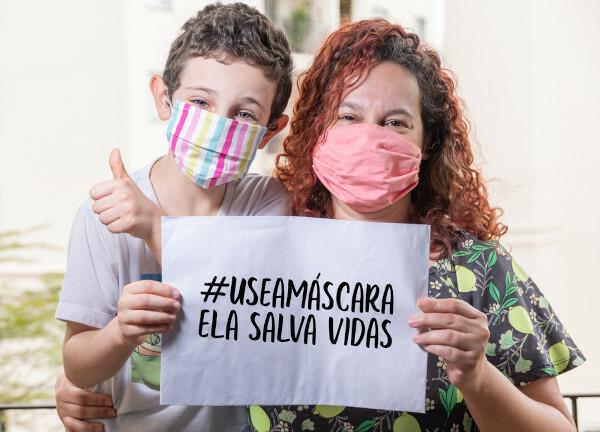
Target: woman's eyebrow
399, 111
352, 105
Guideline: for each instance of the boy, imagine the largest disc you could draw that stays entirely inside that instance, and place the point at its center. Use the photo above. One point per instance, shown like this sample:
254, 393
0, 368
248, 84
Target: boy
228, 75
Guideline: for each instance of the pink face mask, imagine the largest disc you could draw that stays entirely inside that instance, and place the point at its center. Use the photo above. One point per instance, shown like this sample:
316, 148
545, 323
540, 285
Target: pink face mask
366, 166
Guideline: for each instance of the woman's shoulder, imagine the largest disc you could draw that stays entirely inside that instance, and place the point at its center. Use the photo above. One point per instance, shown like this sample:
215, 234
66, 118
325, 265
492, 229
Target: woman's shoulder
527, 339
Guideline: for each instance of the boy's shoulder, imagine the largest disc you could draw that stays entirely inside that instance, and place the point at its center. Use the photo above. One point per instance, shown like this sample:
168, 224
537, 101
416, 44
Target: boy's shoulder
141, 177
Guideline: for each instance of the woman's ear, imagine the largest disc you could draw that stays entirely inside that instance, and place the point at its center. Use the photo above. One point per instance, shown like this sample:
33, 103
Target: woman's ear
273, 128
160, 93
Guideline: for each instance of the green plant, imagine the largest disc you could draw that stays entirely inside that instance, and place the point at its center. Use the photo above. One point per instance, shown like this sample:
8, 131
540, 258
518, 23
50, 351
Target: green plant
30, 337
297, 25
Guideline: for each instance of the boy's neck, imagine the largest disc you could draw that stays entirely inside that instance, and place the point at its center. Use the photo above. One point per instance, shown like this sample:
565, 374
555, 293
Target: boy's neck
178, 196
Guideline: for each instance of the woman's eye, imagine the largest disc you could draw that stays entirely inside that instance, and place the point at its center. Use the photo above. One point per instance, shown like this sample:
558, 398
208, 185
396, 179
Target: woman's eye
346, 117
396, 124
199, 102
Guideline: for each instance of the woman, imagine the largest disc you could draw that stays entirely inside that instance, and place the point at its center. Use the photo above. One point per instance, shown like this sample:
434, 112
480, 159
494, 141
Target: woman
378, 134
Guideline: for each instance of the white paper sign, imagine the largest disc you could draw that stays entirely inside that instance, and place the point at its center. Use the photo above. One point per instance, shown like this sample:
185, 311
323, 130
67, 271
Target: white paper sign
294, 311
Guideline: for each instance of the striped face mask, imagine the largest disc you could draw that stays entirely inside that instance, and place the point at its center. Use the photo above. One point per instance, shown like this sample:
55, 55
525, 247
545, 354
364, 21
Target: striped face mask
209, 149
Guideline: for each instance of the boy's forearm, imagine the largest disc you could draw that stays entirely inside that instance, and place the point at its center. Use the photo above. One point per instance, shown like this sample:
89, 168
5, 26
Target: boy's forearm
154, 238
93, 356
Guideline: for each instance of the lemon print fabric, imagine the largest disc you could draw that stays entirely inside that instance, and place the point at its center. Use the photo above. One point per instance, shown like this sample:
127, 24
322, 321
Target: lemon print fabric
466, 279
259, 419
527, 342
328, 411
406, 423
559, 356
519, 319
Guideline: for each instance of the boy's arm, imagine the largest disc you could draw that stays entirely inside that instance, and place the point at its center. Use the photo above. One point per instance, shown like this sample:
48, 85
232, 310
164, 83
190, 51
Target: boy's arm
93, 355
123, 207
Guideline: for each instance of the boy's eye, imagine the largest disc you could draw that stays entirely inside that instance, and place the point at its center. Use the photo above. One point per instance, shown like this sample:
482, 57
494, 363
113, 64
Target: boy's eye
246, 115
199, 102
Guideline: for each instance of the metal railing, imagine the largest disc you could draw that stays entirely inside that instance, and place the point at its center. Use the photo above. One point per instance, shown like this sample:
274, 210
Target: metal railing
573, 397
4, 408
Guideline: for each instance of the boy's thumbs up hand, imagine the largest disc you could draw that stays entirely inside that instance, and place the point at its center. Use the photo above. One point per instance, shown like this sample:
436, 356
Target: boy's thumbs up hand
122, 206
117, 166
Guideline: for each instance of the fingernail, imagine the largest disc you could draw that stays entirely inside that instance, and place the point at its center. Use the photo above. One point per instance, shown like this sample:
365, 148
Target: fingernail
177, 305
413, 320
112, 413
416, 338
174, 293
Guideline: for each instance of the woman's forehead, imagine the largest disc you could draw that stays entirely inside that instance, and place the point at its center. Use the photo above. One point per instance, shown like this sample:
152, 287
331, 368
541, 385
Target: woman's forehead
385, 84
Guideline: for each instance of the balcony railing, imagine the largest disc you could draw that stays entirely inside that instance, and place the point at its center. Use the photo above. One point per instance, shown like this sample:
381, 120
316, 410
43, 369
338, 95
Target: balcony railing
573, 398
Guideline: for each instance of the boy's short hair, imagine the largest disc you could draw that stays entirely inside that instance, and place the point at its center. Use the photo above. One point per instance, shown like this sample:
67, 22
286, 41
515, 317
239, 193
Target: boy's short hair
239, 32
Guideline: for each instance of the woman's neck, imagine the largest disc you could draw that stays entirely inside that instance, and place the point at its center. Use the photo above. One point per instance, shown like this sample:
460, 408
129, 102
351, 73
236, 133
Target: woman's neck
178, 196
399, 212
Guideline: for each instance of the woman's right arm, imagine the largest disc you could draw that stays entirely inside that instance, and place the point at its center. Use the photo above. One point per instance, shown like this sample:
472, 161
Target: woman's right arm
75, 405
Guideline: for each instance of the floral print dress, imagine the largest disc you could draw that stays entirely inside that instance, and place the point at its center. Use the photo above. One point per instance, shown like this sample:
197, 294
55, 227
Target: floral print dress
527, 342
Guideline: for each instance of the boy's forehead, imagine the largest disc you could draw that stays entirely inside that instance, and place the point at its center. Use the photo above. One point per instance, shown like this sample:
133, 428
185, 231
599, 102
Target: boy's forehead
226, 75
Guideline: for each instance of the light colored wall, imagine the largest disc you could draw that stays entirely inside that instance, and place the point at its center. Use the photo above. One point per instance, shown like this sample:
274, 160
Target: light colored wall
409, 13
528, 72
62, 107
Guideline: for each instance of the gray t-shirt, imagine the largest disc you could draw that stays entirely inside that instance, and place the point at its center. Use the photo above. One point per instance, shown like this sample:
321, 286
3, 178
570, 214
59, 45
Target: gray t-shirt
100, 264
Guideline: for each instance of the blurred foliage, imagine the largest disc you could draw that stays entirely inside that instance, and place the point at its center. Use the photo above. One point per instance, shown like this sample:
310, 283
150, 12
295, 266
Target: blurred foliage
345, 11
298, 25
30, 337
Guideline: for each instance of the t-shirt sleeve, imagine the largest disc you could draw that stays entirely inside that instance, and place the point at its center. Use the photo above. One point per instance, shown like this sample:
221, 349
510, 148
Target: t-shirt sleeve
90, 290
527, 339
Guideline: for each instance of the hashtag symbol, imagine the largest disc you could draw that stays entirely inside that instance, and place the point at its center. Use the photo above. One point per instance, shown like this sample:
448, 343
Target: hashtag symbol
214, 289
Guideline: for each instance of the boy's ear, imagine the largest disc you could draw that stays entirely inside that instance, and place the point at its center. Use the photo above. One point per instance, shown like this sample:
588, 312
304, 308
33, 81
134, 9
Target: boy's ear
273, 129
161, 97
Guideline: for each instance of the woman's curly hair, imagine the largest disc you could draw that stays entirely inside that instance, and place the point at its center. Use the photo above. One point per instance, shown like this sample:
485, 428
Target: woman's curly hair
451, 194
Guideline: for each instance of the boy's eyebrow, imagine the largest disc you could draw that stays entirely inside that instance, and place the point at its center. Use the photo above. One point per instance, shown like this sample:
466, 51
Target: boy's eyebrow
206, 89
250, 99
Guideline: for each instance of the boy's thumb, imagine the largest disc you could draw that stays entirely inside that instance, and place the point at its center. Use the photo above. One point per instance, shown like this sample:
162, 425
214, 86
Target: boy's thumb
116, 165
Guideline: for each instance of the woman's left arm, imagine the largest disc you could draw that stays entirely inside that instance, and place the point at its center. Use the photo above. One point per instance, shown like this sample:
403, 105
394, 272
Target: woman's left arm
459, 334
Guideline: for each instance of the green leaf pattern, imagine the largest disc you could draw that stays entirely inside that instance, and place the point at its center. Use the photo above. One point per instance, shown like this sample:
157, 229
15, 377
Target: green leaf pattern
513, 307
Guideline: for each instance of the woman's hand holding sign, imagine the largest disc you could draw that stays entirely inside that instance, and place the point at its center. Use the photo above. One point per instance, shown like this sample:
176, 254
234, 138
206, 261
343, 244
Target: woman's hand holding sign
458, 333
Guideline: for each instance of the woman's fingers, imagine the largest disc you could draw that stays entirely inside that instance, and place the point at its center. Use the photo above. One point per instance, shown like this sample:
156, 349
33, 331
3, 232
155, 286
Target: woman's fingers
87, 411
449, 306
76, 425
441, 321
447, 337
452, 355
